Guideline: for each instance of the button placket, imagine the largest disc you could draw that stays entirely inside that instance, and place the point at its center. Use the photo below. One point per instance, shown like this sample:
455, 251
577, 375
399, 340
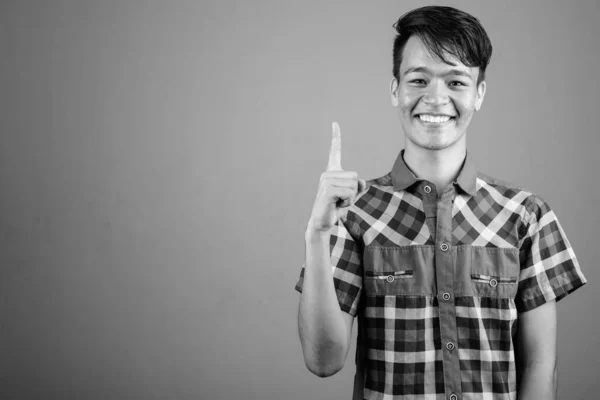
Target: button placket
444, 262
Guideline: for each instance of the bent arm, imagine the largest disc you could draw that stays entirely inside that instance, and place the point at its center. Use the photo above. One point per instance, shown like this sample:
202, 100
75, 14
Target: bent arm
325, 330
536, 353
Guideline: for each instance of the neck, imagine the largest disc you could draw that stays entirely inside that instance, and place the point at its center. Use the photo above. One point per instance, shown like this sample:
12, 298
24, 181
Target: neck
440, 167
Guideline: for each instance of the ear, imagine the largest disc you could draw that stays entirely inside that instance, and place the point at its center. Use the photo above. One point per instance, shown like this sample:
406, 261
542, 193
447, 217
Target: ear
394, 92
480, 95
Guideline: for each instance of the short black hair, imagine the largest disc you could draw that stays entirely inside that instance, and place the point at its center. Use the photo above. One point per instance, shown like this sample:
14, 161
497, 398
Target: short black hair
444, 30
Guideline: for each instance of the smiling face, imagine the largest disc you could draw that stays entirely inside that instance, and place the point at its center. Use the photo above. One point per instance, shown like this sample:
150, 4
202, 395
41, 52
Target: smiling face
435, 100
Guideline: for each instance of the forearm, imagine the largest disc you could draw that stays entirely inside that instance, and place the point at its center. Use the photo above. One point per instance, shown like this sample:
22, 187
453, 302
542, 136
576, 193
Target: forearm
538, 381
323, 331
536, 353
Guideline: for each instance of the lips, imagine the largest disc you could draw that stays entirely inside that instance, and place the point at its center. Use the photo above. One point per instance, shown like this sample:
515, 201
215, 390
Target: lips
435, 119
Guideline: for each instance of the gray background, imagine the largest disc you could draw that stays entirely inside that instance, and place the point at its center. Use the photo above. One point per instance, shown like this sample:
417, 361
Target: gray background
159, 161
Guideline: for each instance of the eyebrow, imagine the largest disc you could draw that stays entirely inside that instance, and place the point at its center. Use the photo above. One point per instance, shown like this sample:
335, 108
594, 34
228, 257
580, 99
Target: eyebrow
424, 70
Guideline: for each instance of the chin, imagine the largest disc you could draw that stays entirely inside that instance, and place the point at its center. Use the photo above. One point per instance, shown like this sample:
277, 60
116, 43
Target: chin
435, 146
435, 143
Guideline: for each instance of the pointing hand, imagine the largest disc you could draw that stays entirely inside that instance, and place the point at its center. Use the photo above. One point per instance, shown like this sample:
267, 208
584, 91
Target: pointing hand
337, 189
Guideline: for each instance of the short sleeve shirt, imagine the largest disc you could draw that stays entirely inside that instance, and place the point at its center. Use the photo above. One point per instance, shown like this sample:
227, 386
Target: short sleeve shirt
437, 282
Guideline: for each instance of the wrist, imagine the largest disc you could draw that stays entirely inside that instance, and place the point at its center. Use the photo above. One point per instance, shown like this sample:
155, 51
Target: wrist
313, 235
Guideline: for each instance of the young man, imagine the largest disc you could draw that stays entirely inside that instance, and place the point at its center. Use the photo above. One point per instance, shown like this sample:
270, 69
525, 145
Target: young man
452, 275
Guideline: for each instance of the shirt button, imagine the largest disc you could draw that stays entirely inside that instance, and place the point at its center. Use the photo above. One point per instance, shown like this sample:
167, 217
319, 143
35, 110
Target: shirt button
450, 346
444, 247
493, 282
453, 397
446, 296
427, 189
390, 278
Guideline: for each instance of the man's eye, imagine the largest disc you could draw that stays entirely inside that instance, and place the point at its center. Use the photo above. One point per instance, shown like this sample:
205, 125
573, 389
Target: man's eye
418, 81
457, 83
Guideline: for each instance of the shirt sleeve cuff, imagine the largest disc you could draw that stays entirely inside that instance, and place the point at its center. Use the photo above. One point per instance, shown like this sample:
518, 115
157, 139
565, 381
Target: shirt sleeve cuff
541, 297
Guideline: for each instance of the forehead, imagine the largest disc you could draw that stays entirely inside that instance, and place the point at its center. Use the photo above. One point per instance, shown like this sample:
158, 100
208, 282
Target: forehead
415, 54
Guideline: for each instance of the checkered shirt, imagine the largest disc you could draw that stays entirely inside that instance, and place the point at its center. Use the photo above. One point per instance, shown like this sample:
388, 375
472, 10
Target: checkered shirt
437, 282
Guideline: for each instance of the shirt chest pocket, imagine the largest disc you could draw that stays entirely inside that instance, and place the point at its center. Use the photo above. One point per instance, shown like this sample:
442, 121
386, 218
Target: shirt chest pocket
488, 272
398, 270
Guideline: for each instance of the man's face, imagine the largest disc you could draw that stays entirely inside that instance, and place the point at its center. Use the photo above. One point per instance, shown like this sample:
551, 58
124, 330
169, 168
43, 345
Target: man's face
435, 101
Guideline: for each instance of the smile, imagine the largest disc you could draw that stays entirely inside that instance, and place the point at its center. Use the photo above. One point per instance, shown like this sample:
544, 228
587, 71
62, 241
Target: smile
434, 119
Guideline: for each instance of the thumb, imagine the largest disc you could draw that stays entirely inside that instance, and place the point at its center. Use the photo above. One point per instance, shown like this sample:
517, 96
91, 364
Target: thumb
362, 186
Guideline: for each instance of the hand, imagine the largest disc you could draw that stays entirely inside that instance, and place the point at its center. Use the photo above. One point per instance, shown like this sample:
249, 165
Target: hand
337, 189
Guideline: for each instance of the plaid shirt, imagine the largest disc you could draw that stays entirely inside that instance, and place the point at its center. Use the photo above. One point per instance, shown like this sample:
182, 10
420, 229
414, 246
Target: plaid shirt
438, 283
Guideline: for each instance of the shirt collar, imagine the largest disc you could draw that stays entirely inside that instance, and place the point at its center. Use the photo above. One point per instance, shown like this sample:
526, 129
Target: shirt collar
403, 177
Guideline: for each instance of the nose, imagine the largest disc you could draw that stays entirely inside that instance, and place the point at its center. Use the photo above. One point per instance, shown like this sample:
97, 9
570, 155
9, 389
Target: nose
436, 94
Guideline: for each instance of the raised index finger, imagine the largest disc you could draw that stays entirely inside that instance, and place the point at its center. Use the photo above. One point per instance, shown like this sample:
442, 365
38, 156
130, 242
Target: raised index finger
335, 153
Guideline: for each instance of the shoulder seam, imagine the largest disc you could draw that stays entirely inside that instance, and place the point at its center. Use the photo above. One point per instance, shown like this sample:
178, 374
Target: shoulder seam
490, 180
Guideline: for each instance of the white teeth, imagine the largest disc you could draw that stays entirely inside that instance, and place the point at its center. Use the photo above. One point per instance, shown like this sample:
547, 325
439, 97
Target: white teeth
436, 119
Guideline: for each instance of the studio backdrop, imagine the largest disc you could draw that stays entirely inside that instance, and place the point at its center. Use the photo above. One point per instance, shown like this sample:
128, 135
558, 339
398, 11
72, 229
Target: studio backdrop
159, 162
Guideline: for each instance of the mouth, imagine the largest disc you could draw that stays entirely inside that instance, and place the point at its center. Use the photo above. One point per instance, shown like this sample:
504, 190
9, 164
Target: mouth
435, 119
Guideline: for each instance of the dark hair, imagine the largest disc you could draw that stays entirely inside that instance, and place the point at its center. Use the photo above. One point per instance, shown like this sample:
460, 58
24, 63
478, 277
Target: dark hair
444, 29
